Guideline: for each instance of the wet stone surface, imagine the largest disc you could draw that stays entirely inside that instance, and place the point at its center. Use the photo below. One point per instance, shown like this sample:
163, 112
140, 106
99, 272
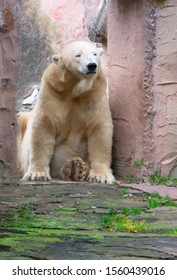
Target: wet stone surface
61, 220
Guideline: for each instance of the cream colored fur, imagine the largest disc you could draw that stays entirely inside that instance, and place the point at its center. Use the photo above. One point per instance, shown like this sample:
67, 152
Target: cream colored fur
71, 118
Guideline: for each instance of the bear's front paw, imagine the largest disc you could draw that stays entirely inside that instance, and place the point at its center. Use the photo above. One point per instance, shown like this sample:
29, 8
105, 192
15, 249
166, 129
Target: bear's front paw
101, 175
36, 176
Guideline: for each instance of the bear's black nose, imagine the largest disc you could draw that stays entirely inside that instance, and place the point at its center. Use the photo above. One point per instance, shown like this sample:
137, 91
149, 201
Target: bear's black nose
91, 67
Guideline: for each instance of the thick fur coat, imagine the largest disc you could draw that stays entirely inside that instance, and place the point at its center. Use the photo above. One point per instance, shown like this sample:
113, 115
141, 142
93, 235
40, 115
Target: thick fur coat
68, 135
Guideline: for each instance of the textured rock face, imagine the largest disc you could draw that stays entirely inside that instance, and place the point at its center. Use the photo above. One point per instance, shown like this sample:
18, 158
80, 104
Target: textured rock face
126, 50
165, 89
142, 81
8, 128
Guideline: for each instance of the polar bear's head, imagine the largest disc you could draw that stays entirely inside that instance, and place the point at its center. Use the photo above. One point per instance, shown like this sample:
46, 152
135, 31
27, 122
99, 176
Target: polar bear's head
82, 58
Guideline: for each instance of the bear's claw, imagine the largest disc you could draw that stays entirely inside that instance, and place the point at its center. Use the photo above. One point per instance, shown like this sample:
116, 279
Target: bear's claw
36, 176
104, 177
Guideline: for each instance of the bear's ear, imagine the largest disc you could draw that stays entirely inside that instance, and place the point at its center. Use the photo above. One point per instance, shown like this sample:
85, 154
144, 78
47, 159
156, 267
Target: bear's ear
56, 58
99, 48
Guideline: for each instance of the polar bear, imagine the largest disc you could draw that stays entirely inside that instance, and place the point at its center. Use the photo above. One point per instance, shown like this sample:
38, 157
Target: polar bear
68, 134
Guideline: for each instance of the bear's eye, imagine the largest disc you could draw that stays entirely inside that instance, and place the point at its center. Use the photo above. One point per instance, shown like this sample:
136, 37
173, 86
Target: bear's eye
95, 54
78, 55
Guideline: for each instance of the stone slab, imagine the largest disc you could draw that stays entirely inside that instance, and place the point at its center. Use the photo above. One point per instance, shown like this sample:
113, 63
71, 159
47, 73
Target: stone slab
64, 221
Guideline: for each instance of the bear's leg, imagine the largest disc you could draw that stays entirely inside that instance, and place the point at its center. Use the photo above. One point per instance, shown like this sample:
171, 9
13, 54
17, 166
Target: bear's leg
74, 169
99, 152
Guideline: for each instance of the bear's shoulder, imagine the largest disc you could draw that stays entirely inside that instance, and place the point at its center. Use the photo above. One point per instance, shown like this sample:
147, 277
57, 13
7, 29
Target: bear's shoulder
56, 76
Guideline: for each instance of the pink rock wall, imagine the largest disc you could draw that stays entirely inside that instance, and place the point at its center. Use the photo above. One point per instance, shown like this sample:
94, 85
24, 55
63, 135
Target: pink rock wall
8, 126
68, 16
126, 50
165, 89
142, 48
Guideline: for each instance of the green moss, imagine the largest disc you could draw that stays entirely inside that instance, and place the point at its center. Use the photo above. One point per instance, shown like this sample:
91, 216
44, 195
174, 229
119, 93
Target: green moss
65, 209
66, 218
171, 231
20, 245
26, 233
109, 203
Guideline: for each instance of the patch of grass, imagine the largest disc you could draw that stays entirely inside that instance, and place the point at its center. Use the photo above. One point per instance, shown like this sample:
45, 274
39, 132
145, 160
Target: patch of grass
125, 191
123, 221
156, 179
173, 181
128, 179
127, 225
131, 211
138, 164
155, 200
120, 222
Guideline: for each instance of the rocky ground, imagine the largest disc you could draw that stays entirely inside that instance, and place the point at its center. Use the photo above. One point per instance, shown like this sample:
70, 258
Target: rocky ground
59, 220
